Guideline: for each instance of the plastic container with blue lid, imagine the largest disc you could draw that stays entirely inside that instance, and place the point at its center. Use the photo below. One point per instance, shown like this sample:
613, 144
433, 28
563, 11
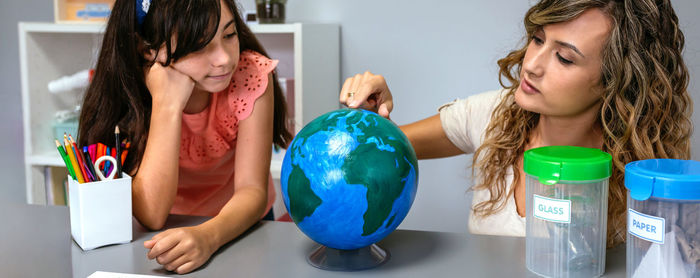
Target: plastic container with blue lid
663, 218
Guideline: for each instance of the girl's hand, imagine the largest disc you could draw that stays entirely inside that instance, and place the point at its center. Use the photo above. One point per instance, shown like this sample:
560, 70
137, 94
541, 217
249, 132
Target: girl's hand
168, 86
181, 250
367, 91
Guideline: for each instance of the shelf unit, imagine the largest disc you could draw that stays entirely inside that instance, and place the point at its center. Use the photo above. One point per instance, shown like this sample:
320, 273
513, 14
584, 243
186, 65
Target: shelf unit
308, 53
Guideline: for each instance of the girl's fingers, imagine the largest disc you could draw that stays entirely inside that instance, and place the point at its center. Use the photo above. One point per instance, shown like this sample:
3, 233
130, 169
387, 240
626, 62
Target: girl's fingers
170, 256
162, 234
161, 246
186, 267
149, 243
173, 265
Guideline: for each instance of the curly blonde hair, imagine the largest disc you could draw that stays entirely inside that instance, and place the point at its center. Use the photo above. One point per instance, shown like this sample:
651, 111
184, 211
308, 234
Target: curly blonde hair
645, 110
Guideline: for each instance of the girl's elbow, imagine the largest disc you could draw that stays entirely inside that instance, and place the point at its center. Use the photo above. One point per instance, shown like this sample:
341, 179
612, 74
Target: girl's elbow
149, 211
152, 220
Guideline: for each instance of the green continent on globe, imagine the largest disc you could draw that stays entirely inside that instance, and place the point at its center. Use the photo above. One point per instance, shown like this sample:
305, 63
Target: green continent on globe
306, 201
375, 172
382, 172
302, 199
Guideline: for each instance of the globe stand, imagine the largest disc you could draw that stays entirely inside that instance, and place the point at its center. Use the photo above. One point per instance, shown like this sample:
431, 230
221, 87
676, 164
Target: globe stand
328, 258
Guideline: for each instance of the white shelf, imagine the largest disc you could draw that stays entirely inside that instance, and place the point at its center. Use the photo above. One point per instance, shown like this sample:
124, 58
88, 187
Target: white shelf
275, 28
275, 169
43, 27
45, 160
308, 53
96, 28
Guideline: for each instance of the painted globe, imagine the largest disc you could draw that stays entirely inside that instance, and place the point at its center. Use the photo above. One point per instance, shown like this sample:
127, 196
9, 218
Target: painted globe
349, 178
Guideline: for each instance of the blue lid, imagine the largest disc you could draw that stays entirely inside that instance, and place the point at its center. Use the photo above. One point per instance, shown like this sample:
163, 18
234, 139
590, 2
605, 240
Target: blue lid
663, 178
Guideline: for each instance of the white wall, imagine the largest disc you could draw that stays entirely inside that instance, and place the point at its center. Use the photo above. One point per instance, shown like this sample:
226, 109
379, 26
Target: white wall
431, 52
12, 187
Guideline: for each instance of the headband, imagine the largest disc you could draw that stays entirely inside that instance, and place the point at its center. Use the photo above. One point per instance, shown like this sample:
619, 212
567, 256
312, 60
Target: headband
141, 10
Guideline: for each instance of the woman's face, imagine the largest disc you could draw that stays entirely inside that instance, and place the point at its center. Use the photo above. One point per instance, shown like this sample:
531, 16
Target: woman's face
212, 67
561, 72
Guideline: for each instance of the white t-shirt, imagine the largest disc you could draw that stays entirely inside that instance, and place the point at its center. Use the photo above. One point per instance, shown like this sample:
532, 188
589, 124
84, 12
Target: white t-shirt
465, 122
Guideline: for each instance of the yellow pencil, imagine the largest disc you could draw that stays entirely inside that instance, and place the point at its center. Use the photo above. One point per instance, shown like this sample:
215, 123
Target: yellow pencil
73, 160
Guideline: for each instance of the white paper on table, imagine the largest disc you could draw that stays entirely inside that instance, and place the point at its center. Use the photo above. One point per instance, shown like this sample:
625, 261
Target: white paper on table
662, 261
103, 274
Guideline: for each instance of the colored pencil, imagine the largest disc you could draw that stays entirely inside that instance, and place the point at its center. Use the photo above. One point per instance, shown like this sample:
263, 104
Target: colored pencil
92, 149
65, 158
100, 153
108, 165
90, 176
89, 164
112, 165
73, 161
126, 151
118, 151
79, 158
69, 150
87, 175
100, 150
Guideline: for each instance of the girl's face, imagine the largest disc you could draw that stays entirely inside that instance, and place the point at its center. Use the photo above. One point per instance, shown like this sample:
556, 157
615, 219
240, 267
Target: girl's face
212, 66
561, 72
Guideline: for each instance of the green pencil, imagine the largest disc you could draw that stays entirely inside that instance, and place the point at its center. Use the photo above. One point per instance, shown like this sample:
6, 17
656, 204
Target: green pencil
65, 158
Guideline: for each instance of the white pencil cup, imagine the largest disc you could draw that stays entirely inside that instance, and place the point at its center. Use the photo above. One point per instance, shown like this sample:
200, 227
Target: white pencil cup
100, 212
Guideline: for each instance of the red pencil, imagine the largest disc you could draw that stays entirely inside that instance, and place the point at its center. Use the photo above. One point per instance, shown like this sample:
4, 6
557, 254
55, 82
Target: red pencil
126, 151
79, 157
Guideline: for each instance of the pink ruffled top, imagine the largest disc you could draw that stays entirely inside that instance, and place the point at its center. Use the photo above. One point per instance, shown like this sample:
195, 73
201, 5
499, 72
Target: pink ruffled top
208, 143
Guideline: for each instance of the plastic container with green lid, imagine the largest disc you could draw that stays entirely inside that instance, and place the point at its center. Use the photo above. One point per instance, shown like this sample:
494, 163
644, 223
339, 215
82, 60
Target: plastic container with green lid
567, 210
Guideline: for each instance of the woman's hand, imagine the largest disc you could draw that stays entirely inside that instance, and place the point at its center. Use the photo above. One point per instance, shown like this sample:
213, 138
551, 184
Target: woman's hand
367, 91
181, 250
168, 86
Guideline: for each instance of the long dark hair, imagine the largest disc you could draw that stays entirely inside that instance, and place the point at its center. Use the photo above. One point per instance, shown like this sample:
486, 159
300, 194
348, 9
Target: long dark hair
118, 94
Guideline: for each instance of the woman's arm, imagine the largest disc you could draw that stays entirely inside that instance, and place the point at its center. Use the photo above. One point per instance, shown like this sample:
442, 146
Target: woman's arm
429, 139
370, 91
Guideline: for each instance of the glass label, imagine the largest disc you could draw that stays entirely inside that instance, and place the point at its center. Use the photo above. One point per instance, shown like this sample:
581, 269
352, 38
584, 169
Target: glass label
554, 210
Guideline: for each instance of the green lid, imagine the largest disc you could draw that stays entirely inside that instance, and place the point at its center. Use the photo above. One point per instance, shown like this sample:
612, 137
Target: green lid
554, 163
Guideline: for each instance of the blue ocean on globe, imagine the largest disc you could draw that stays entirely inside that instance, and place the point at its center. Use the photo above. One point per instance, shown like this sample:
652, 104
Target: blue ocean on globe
349, 178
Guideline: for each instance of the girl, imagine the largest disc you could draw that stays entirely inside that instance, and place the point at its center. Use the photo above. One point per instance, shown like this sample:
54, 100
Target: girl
594, 73
191, 86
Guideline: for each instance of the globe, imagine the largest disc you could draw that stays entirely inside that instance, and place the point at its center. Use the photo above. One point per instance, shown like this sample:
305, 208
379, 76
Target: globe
349, 178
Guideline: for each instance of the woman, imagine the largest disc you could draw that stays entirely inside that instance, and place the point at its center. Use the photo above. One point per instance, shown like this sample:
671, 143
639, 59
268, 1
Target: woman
594, 73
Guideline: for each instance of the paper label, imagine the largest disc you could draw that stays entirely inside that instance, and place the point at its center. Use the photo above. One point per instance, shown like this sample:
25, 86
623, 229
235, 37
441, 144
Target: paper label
647, 227
553, 210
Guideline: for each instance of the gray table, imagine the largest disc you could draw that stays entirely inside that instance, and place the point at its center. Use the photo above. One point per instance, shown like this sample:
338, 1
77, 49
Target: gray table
36, 243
